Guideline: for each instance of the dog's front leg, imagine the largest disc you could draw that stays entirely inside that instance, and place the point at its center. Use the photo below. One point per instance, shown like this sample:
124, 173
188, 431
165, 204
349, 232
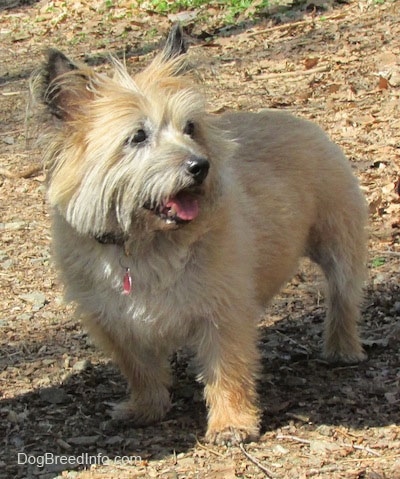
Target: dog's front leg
228, 359
146, 371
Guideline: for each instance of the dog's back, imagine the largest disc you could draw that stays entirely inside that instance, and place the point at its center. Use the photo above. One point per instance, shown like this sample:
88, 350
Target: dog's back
302, 199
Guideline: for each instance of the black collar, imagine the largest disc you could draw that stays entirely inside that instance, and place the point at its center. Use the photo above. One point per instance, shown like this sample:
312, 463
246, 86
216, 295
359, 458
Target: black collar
111, 238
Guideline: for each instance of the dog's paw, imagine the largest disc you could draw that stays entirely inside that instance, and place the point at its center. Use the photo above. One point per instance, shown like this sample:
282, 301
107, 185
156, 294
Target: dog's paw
140, 414
231, 436
339, 357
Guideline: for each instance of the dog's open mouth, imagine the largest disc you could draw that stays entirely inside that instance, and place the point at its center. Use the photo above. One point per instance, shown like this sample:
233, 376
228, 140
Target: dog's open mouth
179, 209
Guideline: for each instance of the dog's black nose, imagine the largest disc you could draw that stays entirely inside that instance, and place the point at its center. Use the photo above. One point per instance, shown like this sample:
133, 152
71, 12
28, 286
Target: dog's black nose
198, 168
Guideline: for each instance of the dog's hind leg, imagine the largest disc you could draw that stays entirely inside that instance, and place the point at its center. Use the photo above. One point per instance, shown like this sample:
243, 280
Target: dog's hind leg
147, 373
338, 245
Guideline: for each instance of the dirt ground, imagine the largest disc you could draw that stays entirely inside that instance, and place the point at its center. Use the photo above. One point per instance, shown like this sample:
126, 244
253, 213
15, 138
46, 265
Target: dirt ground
339, 67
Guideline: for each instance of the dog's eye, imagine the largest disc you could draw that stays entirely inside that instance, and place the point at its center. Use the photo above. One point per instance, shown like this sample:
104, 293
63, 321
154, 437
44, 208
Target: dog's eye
189, 128
139, 137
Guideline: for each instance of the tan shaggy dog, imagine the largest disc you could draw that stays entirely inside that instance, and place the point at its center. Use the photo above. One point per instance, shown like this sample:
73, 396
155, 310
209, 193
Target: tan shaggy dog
174, 227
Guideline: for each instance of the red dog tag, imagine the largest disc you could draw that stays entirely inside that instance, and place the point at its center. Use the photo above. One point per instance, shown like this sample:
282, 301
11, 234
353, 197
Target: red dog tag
127, 282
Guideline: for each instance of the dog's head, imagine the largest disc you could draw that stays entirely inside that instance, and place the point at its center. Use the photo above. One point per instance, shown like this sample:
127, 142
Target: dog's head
131, 153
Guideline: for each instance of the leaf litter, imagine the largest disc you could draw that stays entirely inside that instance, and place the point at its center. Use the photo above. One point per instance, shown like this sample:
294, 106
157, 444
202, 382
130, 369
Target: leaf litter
340, 69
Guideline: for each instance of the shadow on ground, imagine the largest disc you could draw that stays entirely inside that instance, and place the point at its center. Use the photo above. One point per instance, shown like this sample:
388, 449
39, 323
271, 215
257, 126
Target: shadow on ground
71, 418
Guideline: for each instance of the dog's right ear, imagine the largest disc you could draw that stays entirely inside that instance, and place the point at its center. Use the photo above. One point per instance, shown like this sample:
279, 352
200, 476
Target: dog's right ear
175, 44
63, 84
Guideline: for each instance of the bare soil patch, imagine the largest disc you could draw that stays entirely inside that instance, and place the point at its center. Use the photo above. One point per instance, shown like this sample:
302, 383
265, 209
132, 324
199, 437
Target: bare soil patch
341, 70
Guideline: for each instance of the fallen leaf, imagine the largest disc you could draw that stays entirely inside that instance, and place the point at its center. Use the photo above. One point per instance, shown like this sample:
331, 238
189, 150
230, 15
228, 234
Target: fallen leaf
311, 62
383, 83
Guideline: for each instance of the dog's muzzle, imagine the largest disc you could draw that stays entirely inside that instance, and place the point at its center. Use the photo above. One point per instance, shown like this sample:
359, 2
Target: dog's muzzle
183, 207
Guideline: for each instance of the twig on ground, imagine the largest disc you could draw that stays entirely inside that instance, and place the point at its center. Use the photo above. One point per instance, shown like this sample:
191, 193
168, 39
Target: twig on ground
29, 172
363, 448
290, 25
295, 74
199, 444
293, 438
390, 253
306, 441
283, 26
322, 470
266, 471
10, 93
293, 341
6, 173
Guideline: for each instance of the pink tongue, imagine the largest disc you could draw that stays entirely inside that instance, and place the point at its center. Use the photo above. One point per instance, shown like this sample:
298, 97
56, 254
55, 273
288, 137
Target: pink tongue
185, 205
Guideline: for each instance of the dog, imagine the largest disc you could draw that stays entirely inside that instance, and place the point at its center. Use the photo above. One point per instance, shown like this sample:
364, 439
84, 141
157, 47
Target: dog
174, 227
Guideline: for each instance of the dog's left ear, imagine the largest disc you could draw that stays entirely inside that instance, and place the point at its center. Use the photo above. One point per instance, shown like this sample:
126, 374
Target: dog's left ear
175, 44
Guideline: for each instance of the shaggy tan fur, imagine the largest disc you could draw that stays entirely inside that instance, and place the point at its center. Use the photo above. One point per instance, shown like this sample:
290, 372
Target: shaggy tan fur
203, 269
